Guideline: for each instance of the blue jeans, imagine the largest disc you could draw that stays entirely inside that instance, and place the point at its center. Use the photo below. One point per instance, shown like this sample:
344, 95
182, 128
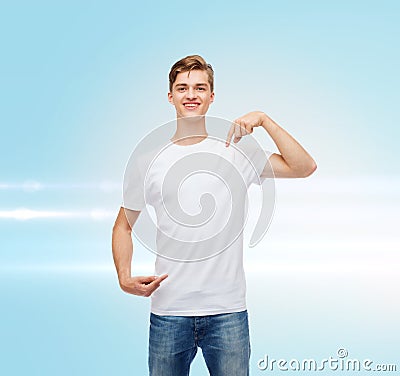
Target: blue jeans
223, 339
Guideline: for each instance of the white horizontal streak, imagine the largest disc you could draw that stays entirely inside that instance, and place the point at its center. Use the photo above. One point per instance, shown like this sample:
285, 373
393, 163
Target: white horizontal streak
34, 186
250, 267
315, 184
27, 214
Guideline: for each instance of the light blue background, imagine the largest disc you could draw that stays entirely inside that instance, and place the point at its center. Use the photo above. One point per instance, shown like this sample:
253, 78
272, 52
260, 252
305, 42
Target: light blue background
82, 82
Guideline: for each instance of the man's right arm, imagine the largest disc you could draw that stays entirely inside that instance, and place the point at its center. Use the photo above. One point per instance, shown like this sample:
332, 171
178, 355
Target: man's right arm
122, 249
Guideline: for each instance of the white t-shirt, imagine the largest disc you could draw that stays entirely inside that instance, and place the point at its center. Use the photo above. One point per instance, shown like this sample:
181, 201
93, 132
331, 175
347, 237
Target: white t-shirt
199, 195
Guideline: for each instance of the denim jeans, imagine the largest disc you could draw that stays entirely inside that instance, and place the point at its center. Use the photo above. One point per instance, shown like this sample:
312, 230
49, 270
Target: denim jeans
223, 339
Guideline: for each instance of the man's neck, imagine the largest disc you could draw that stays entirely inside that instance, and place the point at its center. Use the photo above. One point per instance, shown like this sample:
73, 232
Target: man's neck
190, 130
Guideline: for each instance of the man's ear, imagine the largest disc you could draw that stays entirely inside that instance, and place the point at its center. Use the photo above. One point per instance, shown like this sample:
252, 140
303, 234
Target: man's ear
212, 97
170, 98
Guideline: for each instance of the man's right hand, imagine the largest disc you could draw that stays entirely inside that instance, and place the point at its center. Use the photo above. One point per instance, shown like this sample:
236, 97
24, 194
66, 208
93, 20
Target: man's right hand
141, 286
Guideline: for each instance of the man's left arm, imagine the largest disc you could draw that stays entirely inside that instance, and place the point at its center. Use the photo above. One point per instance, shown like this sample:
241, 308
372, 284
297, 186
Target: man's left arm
293, 160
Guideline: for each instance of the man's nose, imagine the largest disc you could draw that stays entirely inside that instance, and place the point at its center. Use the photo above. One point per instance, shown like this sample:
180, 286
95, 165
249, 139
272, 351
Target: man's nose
191, 92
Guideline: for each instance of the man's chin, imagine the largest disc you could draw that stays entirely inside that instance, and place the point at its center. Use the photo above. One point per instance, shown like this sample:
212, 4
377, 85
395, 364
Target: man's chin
191, 117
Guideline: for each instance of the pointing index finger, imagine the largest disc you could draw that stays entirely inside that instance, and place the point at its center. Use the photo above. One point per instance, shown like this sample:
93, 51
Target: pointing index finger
160, 279
230, 134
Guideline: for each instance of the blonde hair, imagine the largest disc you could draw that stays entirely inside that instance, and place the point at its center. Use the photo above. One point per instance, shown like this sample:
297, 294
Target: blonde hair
189, 63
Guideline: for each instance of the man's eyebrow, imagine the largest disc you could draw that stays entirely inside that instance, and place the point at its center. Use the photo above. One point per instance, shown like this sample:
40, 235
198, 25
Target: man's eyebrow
198, 84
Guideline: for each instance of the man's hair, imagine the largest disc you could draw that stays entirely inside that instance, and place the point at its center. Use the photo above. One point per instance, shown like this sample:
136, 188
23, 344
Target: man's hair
189, 63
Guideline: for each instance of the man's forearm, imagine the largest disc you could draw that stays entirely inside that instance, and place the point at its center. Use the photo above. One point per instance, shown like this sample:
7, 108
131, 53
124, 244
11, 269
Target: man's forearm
122, 249
295, 156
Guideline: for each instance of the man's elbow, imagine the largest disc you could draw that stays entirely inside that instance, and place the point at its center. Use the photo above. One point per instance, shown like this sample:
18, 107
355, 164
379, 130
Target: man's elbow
121, 231
309, 170
121, 228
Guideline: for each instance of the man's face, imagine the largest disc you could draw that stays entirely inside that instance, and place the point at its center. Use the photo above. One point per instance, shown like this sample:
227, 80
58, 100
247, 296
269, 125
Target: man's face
191, 94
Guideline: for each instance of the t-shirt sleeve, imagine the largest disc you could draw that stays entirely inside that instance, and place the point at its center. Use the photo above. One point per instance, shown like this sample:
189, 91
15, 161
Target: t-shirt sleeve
133, 187
261, 159
253, 160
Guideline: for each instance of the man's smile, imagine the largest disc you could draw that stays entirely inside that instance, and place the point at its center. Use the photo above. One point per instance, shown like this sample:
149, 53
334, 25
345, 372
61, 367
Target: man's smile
191, 106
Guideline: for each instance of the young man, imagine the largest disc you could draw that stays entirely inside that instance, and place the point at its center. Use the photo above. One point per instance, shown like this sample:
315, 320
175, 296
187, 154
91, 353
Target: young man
201, 302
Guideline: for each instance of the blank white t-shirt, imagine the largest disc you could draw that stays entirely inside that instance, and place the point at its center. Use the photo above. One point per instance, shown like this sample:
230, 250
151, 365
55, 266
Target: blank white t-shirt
198, 193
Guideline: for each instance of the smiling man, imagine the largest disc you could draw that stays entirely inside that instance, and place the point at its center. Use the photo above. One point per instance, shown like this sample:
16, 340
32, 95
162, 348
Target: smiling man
199, 301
